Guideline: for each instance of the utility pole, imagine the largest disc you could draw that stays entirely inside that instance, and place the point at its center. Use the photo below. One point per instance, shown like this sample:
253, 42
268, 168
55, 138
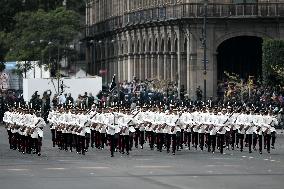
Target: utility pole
58, 68
204, 43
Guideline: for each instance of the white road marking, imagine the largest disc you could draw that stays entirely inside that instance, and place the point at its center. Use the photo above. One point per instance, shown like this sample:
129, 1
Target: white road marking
221, 158
211, 165
152, 166
63, 160
265, 159
93, 167
222, 165
55, 168
272, 160
231, 165
16, 169
244, 156
251, 157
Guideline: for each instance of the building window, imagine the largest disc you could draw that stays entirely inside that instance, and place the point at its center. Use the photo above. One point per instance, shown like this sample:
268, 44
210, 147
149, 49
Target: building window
162, 45
138, 48
156, 45
185, 45
162, 13
169, 45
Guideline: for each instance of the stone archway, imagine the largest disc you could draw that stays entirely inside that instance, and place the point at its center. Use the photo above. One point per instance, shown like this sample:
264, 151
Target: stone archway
241, 55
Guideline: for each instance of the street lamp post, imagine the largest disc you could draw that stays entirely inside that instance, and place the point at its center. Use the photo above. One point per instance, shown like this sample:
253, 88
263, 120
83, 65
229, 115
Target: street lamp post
42, 58
78, 49
57, 66
33, 55
58, 69
92, 57
204, 41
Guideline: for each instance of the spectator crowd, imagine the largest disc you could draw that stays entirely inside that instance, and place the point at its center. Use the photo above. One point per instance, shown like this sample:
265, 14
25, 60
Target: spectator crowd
150, 92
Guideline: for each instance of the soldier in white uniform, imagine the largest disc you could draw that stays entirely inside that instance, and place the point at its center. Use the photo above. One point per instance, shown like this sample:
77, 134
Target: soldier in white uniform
273, 130
110, 130
222, 121
249, 129
212, 144
171, 125
25, 130
160, 129
195, 128
241, 120
37, 135
6, 119
257, 122
268, 128
51, 118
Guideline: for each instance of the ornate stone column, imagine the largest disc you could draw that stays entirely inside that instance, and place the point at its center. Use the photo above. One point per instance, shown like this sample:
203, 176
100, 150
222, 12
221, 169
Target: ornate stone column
130, 58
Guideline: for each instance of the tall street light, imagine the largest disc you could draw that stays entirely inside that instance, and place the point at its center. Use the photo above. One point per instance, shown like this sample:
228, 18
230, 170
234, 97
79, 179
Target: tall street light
92, 57
204, 43
58, 65
42, 58
33, 43
77, 49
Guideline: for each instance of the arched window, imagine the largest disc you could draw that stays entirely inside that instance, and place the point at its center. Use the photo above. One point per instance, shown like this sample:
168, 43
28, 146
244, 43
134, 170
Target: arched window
185, 45
149, 46
132, 47
162, 45
169, 45
156, 45
138, 47
126, 47
176, 45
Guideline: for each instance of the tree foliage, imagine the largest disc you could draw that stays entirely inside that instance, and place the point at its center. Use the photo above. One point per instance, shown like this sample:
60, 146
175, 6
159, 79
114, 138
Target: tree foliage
273, 61
10, 21
43, 36
9, 8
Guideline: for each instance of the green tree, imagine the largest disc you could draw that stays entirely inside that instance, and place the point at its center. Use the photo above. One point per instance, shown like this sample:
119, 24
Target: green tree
273, 61
43, 36
9, 8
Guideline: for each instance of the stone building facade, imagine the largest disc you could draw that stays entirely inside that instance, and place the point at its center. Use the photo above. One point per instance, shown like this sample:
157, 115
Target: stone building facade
163, 38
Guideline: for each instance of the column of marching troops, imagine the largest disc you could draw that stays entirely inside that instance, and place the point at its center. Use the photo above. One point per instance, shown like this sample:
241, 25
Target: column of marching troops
25, 130
122, 129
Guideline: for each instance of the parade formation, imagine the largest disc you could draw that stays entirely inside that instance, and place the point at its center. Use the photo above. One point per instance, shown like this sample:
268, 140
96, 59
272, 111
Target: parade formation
25, 130
199, 127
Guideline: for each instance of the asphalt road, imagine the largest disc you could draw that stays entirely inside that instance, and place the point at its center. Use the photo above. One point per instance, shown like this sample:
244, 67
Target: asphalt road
141, 169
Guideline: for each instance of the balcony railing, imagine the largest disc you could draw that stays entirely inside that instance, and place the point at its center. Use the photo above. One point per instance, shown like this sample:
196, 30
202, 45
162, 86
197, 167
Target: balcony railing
189, 10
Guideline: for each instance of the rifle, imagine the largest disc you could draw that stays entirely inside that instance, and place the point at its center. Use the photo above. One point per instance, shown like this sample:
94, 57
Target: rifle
220, 128
154, 129
266, 131
133, 117
37, 122
178, 118
231, 116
